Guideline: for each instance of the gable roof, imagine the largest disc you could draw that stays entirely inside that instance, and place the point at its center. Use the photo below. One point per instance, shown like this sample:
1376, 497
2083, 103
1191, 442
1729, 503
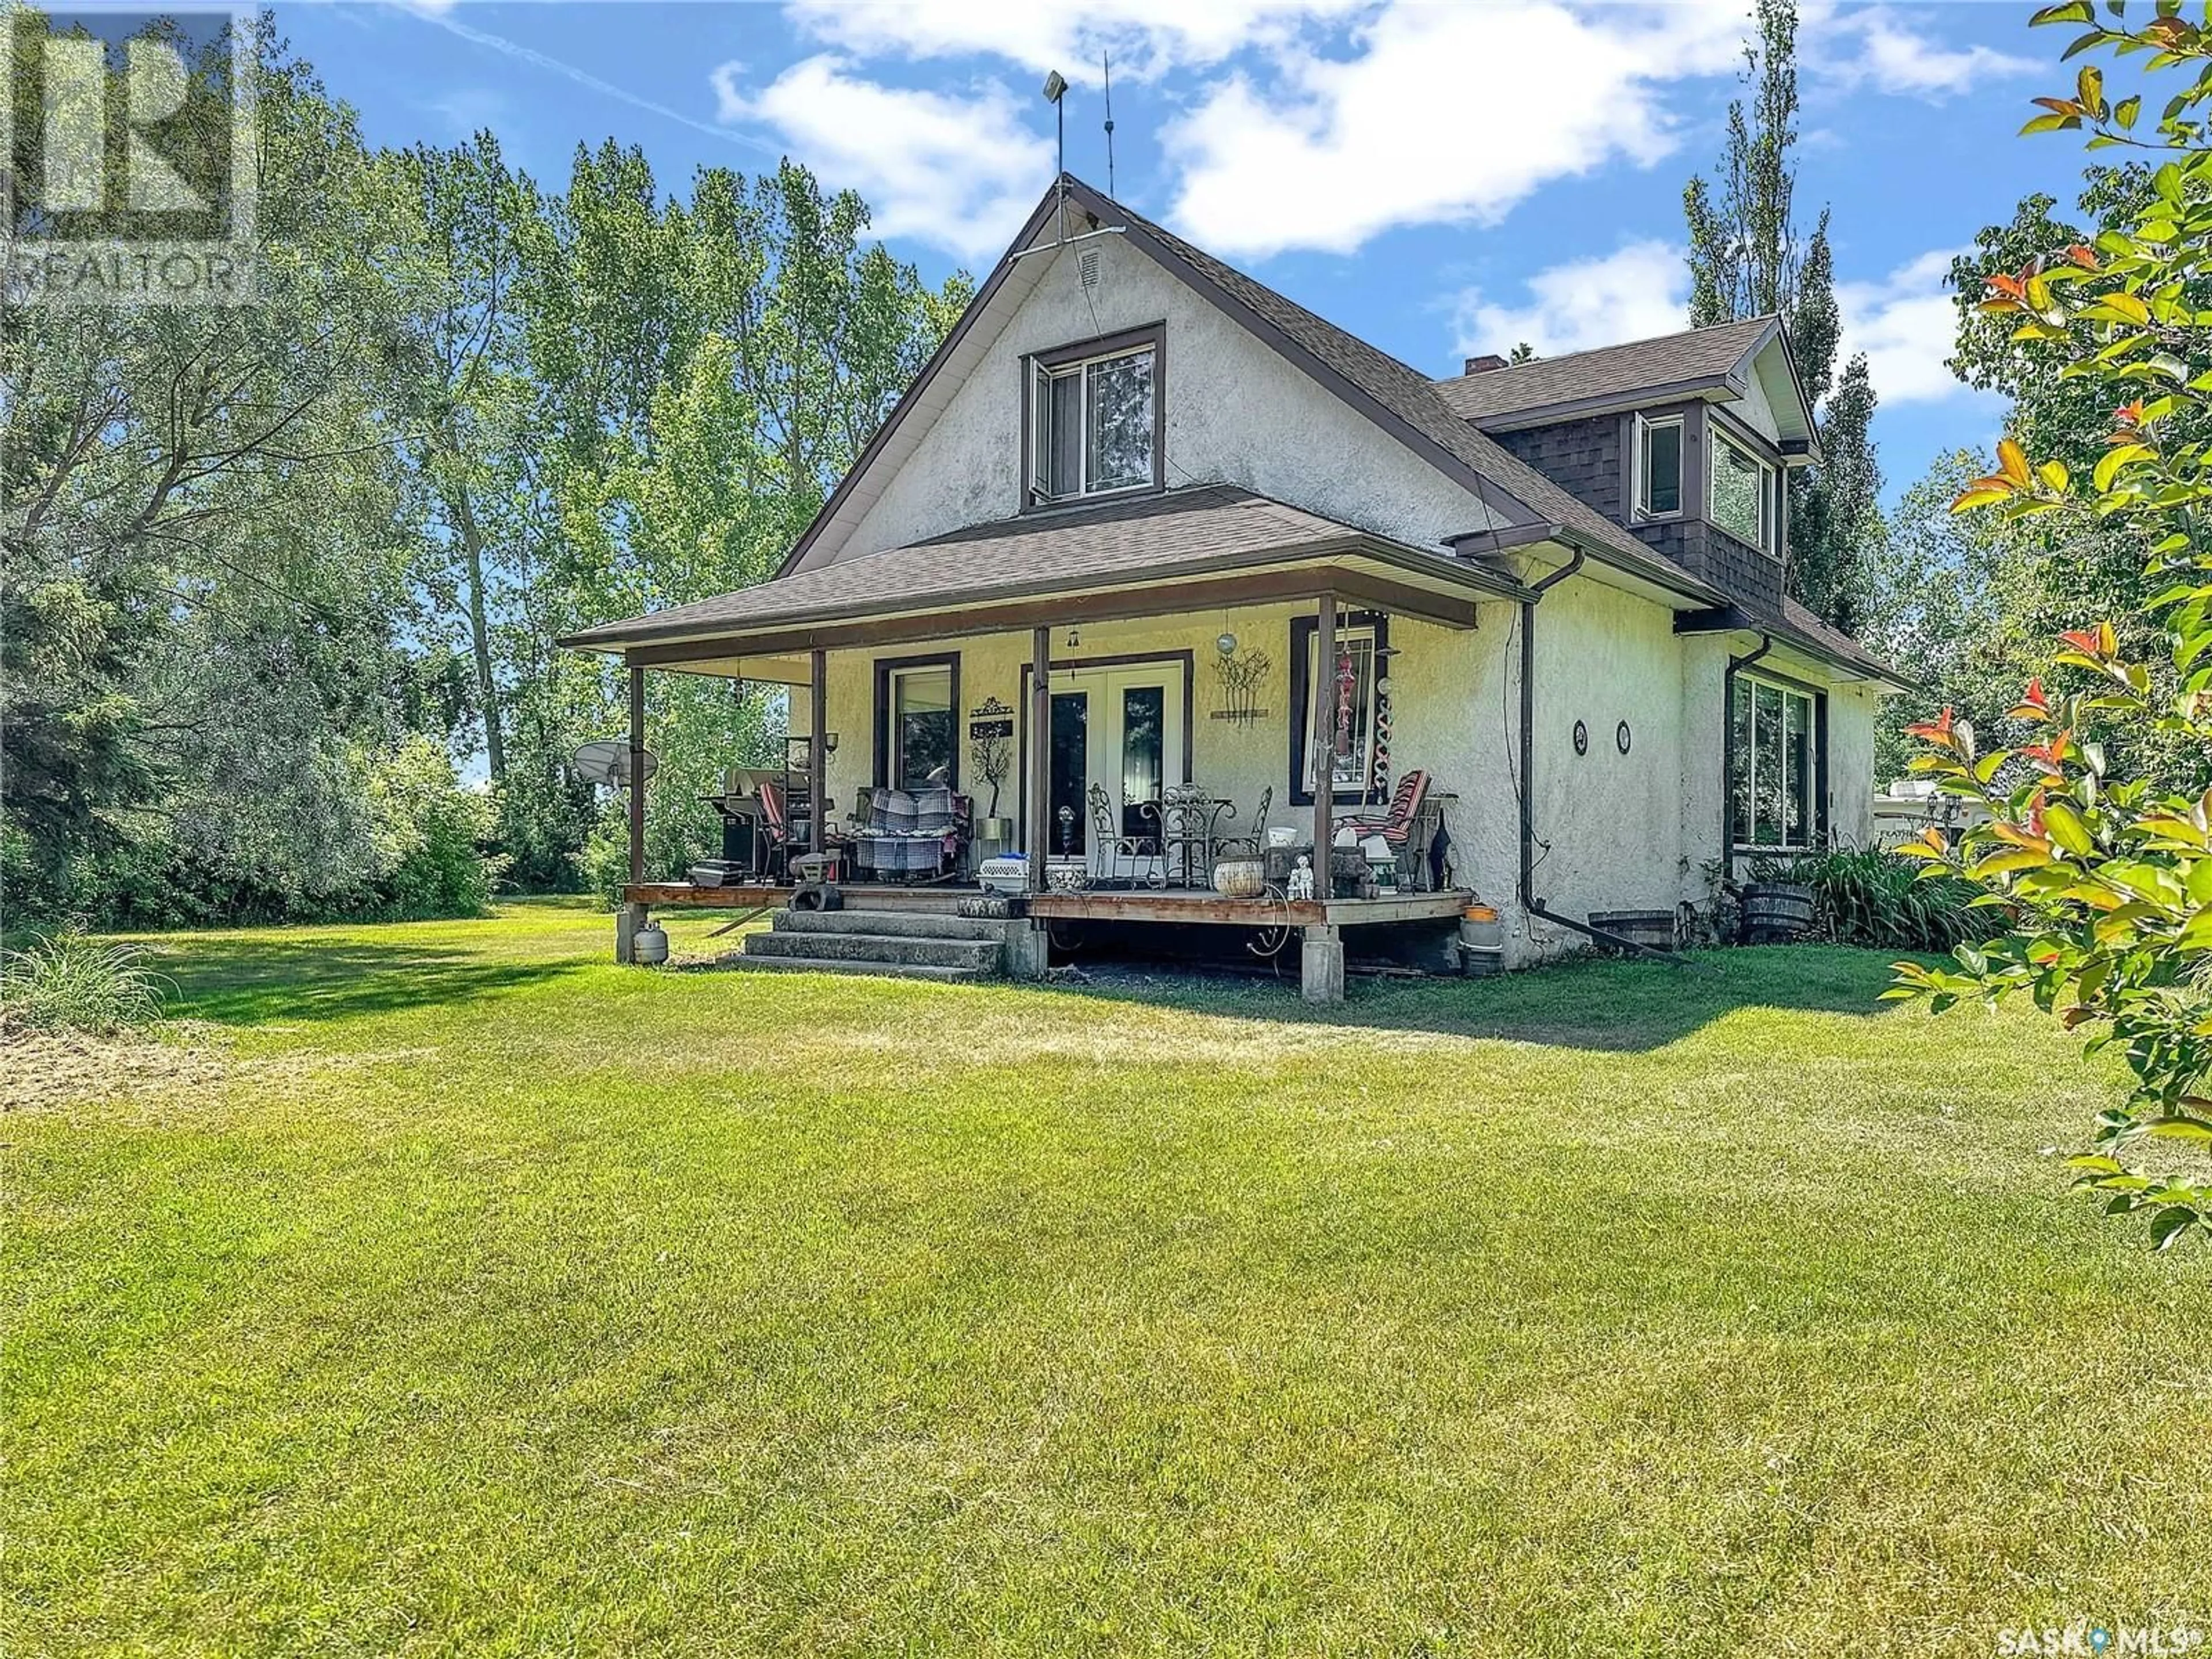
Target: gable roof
1204, 530
1397, 396
1693, 360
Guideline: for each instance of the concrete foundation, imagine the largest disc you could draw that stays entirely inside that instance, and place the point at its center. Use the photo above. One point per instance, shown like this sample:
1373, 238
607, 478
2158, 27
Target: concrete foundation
1027, 948
628, 918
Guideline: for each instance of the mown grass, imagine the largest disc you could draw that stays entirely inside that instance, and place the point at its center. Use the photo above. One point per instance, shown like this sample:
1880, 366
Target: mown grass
494, 1300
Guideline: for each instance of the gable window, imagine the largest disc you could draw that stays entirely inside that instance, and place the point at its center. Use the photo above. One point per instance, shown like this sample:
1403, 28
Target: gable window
1353, 681
915, 746
1773, 767
1744, 494
1658, 466
1094, 418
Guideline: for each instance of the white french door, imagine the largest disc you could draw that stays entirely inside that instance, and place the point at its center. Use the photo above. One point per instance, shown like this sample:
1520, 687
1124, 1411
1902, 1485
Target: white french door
1119, 730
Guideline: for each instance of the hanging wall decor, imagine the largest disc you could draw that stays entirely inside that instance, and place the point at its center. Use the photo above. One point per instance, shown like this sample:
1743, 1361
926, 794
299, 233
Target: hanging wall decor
1241, 674
1379, 783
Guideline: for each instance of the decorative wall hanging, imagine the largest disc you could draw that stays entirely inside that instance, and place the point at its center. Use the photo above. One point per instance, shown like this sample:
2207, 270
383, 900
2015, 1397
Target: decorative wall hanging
1621, 737
1582, 738
1380, 767
1241, 674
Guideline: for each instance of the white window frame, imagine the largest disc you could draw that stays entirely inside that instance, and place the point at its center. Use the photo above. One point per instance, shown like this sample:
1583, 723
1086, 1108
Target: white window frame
1040, 383
1640, 483
1769, 506
1747, 757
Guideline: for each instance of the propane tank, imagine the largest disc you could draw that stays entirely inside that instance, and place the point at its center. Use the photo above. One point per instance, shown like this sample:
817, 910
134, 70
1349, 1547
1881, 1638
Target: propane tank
649, 945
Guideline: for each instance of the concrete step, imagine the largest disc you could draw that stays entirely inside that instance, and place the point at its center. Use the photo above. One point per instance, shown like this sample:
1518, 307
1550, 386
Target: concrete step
888, 924
980, 954
875, 970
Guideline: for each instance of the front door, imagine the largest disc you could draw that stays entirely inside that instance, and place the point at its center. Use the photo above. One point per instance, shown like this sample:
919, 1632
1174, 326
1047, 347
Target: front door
1120, 730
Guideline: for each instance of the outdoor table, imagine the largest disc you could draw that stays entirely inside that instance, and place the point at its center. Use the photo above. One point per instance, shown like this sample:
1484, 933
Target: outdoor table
1190, 819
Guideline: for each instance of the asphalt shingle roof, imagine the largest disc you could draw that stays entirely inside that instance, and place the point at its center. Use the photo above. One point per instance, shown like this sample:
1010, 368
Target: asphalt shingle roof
1202, 527
1695, 356
1414, 398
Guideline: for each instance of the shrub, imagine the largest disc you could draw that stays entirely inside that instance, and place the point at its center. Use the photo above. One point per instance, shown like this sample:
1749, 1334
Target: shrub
71, 980
1873, 896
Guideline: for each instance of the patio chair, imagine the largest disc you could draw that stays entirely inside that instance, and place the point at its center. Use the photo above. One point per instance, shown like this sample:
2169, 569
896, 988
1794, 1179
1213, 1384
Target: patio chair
776, 827
1254, 844
1407, 828
913, 836
1140, 854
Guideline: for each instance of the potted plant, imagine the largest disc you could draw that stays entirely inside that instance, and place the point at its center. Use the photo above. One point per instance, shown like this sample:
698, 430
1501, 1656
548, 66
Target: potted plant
992, 757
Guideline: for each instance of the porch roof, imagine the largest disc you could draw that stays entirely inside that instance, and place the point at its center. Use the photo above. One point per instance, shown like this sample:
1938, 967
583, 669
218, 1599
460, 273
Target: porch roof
1202, 531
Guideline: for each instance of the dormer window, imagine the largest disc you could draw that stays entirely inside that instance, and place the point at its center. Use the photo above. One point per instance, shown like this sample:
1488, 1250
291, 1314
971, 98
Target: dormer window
1658, 466
1745, 494
1093, 420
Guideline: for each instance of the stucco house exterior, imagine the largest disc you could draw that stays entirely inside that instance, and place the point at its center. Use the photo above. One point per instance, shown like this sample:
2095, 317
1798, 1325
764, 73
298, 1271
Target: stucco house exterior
1554, 587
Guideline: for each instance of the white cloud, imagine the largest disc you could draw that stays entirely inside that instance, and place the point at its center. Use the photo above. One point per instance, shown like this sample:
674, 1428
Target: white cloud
959, 173
1639, 291
1907, 324
1874, 46
1147, 38
1450, 113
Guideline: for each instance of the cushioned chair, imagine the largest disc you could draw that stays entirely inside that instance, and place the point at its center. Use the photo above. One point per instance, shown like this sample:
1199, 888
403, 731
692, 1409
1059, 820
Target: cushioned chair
1407, 829
917, 836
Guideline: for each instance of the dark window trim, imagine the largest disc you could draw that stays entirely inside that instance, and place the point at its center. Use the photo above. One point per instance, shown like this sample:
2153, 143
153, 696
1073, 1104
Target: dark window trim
885, 667
1819, 804
1303, 629
1154, 334
1188, 659
1750, 437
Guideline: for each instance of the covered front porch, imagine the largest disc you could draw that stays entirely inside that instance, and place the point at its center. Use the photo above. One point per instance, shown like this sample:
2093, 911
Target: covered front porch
1167, 751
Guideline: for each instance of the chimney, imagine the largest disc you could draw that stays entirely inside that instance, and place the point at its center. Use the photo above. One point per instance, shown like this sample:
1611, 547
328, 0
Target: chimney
1485, 363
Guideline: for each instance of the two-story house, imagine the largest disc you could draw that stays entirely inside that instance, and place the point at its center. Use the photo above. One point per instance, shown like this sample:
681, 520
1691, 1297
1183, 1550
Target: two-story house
1166, 528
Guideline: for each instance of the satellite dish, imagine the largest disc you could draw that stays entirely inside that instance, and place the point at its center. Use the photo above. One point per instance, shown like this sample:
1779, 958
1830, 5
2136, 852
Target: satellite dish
609, 763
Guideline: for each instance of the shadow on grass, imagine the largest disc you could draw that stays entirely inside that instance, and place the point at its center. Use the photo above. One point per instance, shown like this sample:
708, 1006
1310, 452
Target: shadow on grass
1588, 1003
252, 982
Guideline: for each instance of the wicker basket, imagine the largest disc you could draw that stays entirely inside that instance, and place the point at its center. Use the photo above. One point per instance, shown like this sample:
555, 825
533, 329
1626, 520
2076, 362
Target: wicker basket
1241, 877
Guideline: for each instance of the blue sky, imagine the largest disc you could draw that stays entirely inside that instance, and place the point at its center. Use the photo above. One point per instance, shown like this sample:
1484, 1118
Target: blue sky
1440, 178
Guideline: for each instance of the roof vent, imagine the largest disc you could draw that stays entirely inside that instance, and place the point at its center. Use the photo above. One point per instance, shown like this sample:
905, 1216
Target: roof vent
1485, 363
1087, 262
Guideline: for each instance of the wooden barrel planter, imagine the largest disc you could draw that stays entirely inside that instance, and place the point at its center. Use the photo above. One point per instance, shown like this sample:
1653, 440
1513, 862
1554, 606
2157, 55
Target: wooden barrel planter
1652, 928
1776, 912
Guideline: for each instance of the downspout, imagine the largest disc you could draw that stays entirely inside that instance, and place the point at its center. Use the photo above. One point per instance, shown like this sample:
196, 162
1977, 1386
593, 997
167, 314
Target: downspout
1728, 750
1530, 905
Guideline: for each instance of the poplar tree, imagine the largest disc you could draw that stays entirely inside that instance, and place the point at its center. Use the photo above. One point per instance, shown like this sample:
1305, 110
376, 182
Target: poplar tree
1749, 258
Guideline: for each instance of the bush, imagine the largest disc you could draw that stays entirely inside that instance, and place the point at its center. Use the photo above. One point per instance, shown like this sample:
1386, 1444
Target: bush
429, 833
1870, 896
72, 981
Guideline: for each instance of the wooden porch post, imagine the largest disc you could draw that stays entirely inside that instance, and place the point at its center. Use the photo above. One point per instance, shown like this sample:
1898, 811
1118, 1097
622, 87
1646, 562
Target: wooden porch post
1039, 751
1322, 726
818, 762
636, 772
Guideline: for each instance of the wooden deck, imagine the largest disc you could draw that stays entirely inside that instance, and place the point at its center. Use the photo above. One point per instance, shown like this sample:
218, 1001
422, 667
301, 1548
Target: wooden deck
1169, 906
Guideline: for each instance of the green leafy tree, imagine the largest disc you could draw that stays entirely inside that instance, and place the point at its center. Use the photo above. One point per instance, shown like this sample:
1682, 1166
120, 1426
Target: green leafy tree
1749, 258
2107, 877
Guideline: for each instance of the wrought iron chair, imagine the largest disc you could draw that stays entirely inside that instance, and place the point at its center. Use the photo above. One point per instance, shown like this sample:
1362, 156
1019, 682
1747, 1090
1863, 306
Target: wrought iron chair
1254, 843
1115, 849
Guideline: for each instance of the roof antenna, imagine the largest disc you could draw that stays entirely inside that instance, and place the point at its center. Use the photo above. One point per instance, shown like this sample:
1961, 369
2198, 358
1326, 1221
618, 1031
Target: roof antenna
1107, 64
1055, 88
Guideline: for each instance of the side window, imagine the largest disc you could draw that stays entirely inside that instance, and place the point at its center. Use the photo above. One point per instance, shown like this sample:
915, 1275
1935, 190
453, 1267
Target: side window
1658, 466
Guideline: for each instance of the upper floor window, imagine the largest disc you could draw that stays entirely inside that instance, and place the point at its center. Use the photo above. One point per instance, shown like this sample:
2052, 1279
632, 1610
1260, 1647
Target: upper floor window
1094, 418
1745, 494
1658, 466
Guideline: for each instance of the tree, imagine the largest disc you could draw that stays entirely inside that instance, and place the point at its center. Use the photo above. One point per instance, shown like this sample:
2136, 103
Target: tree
1747, 258
2108, 879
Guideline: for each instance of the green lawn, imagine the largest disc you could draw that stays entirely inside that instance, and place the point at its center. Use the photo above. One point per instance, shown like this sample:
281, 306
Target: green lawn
465, 1294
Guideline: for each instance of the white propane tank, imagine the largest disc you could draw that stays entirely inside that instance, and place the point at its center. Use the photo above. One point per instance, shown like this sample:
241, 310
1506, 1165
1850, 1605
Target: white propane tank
649, 945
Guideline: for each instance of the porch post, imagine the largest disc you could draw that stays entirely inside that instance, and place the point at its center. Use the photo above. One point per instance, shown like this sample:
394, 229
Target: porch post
818, 762
636, 773
1321, 728
1039, 751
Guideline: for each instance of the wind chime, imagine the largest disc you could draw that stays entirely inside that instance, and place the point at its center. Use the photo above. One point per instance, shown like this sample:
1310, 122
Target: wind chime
1381, 768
